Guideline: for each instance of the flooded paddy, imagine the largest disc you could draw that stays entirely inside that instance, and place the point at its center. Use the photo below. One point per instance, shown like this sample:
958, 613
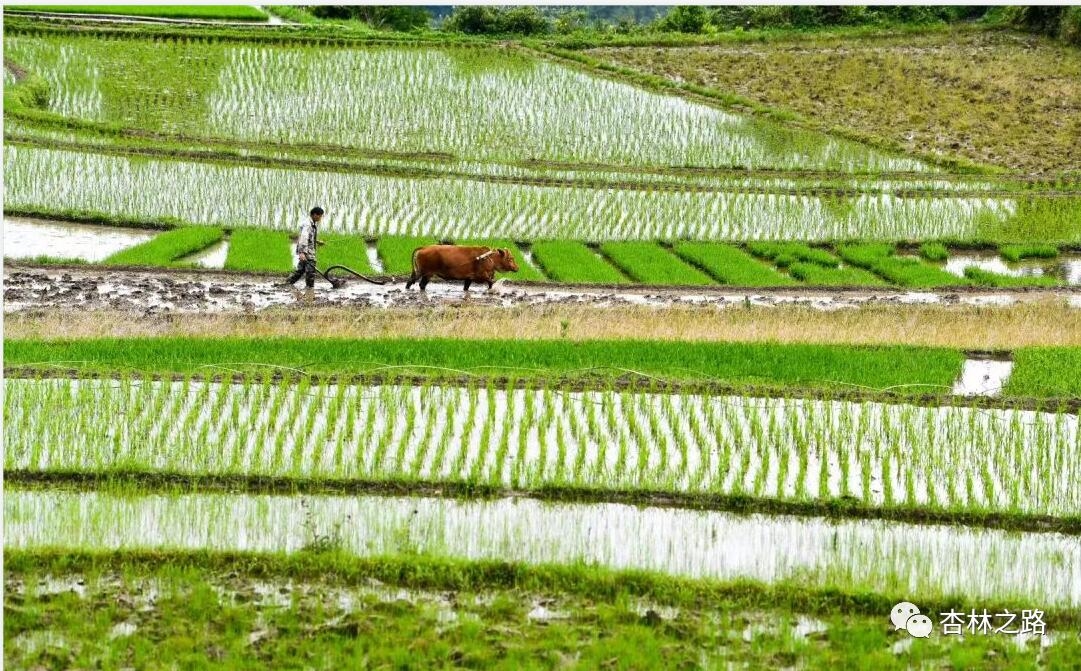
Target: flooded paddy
1066, 267
26, 238
178, 291
983, 376
454, 207
951, 458
918, 561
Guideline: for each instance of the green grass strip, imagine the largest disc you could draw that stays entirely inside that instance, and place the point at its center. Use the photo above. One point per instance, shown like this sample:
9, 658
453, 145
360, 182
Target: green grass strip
422, 571
730, 265
566, 261
986, 278
230, 12
1046, 372
907, 272
650, 263
256, 250
167, 247
526, 271
819, 366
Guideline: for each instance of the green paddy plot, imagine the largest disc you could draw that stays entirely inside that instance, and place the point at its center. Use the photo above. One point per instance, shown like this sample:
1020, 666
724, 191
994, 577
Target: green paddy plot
650, 263
812, 265
881, 259
730, 265
259, 251
234, 194
921, 369
344, 250
234, 13
166, 248
575, 262
1046, 371
473, 103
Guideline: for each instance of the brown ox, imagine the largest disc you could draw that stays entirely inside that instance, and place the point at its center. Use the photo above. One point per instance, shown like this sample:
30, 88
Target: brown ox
451, 262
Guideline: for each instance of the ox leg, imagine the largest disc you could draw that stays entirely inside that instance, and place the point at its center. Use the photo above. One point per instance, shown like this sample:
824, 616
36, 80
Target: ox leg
424, 282
412, 279
466, 287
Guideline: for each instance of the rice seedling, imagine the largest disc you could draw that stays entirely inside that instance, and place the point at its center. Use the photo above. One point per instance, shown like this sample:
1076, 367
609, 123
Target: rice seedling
575, 262
730, 265
473, 103
255, 250
811, 273
1015, 253
651, 263
236, 196
852, 556
984, 278
784, 254
905, 271
165, 248
934, 251
638, 441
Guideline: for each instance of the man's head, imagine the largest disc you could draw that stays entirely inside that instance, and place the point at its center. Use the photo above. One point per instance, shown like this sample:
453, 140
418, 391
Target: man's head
316, 214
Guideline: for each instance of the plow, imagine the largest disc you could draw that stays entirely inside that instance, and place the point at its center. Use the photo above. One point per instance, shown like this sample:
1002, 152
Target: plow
344, 273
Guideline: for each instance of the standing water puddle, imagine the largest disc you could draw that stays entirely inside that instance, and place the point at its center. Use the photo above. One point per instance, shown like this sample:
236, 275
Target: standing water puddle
1065, 267
31, 238
373, 257
918, 561
212, 257
983, 377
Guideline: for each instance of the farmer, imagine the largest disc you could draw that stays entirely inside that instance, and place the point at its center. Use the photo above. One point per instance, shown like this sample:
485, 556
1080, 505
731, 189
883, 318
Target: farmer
306, 243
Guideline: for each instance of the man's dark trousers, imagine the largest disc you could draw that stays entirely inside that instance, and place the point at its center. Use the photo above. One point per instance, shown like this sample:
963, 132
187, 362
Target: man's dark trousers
307, 269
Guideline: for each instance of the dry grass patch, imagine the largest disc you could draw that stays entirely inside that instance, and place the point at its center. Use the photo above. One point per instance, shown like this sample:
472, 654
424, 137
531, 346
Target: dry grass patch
1048, 322
995, 97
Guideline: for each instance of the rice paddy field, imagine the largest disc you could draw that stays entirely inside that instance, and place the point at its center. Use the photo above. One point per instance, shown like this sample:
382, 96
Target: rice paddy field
761, 379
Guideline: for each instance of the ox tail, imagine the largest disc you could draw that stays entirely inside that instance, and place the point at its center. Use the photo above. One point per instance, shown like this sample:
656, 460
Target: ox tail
415, 269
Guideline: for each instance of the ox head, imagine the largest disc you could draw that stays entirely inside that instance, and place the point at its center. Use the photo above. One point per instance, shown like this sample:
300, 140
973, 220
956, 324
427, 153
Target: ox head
504, 261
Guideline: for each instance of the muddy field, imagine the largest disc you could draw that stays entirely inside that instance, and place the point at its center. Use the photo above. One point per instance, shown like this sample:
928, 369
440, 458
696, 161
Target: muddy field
28, 289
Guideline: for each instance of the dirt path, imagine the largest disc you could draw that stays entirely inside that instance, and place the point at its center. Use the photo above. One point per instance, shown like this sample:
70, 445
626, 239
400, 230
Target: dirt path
27, 289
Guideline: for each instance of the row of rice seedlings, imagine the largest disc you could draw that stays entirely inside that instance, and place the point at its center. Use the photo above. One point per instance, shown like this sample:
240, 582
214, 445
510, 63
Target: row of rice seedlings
373, 205
811, 264
730, 265
854, 556
566, 261
881, 259
649, 263
800, 449
474, 103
